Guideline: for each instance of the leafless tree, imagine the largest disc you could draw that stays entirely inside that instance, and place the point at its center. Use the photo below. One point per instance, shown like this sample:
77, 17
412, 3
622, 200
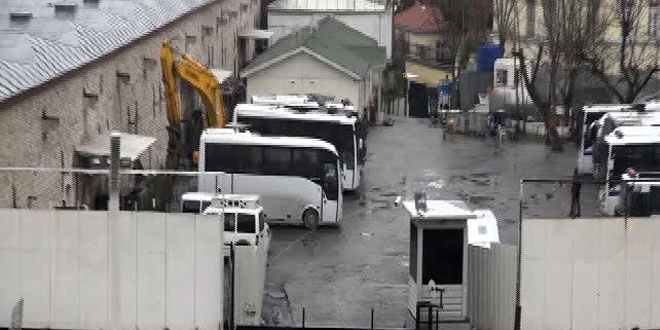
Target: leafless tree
571, 29
464, 24
584, 24
549, 48
636, 58
503, 15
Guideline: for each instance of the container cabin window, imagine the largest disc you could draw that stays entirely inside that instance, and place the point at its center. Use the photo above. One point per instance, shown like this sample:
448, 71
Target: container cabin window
442, 256
190, 207
246, 223
501, 77
412, 267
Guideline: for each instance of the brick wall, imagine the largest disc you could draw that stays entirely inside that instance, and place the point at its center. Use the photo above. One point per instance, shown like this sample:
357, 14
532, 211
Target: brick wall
136, 106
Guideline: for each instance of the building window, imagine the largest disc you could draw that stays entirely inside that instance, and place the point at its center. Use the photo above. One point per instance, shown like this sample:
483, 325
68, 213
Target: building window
442, 53
501, 77
423, 52
653, 18
530, 26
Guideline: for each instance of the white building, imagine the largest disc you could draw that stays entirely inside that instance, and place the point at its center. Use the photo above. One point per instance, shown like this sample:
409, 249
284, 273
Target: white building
329, 59
373, 19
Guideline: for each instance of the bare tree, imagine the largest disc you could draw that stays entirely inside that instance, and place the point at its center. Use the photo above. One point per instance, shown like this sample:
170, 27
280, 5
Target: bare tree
549, 48
464, 24
584, 24
636, 58
503, 15
571, 28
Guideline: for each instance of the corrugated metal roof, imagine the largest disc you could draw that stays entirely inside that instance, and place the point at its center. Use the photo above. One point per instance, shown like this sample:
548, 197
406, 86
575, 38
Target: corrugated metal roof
36, 50
326, 5
333, 40
131, 146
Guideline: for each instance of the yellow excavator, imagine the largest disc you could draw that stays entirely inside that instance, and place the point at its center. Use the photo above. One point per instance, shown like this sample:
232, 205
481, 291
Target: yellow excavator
207, 86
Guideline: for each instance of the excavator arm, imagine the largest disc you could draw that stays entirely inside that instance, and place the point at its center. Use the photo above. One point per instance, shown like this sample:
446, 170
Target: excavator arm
203, 81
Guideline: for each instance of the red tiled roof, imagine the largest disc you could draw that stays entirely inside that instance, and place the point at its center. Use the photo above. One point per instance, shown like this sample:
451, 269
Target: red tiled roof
420, 18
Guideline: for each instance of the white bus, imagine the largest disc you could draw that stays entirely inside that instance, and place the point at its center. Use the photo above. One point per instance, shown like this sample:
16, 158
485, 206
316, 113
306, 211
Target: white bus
606, 125
298, 179
589, 133
341, 131
636, 147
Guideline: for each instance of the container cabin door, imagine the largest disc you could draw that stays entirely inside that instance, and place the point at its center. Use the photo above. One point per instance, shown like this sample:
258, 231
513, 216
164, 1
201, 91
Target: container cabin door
443, 255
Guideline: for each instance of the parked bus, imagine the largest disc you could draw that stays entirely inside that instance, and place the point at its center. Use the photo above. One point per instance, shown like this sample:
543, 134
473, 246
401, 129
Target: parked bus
589, 133
341, 131
636, 147
298, 179
610, 122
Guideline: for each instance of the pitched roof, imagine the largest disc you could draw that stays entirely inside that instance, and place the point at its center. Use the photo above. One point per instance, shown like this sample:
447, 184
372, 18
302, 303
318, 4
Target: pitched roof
41, 39
332, 40
420, 17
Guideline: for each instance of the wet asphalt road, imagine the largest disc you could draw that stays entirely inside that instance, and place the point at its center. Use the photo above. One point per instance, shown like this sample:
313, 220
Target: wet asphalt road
339, 274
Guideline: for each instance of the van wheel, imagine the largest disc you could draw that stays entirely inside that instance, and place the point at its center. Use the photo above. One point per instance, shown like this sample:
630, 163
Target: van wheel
311, 219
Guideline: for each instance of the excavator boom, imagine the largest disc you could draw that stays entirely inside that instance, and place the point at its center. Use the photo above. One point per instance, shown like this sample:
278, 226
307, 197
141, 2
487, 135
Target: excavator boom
202, 80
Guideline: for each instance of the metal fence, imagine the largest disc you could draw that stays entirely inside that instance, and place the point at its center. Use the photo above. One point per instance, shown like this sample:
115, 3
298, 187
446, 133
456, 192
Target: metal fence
89, 189
585, 198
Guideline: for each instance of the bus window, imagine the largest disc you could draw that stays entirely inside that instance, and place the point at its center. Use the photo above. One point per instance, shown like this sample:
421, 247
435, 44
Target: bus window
219, 158
248, 159
190, 207
277, 161
306, 163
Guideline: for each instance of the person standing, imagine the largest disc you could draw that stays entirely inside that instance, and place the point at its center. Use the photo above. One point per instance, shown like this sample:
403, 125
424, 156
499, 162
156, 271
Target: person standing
575, 194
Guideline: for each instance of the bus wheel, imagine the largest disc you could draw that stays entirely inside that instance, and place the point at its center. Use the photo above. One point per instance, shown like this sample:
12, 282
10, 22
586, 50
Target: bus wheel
311, 219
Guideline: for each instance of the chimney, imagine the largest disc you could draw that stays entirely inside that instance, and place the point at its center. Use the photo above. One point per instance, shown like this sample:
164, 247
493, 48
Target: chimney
67, 7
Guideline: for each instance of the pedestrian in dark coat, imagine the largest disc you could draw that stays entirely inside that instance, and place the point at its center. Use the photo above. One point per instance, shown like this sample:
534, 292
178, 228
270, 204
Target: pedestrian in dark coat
575, 195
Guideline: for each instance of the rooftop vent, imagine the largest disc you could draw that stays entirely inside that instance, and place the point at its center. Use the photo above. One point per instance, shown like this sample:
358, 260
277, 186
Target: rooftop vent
65, 7
20, 16
91, 3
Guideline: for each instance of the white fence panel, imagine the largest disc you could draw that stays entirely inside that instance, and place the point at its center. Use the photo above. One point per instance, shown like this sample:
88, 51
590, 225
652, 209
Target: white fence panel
93, 270
60, 263
492, 286
152, 272
590, 274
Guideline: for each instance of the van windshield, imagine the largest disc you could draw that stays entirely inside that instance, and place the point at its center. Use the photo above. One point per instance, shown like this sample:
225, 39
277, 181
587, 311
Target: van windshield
240, 223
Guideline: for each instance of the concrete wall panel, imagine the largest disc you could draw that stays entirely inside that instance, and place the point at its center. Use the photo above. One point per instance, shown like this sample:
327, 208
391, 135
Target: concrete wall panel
594, 274
60, 263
